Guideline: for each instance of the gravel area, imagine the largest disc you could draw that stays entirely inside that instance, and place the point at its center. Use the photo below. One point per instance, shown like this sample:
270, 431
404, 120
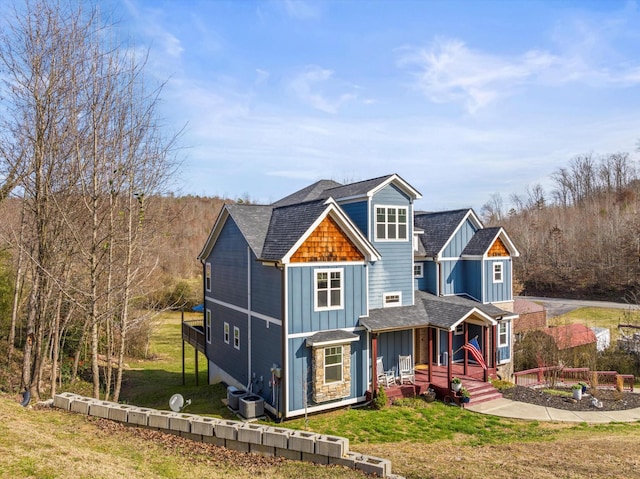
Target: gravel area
612, 400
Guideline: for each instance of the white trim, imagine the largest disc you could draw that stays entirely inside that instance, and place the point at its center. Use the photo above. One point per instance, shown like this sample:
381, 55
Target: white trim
284, 407
421, 265
397, 239
207, 325
506, 324
324, 350
311, 333
328, 272
208, 276
249, 263
500, 266
236, 329
476, 311
240, 309
459, 326
334, 342
226, 333
325, 264
324, 407
394, 304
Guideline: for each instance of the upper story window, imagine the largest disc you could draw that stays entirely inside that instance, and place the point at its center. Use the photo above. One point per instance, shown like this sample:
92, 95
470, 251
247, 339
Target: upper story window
226, 333
208, 277
391, 223
208, 328
392, 299
497, 272
417, 270
329, 289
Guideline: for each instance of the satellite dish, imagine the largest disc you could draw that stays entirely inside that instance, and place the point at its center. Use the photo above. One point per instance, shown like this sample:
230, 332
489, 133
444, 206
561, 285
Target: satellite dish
177, 403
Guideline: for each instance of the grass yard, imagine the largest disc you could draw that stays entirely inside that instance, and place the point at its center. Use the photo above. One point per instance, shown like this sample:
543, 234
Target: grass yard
598, 317
423, 440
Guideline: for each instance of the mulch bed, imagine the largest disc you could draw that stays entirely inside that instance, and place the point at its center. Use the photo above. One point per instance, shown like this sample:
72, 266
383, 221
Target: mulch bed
611, 399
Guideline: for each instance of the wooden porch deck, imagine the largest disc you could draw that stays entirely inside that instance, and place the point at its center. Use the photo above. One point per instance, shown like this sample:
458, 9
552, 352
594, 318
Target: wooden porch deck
480, 390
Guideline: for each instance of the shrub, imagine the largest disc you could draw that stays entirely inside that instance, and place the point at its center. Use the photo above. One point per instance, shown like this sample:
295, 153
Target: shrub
380, 401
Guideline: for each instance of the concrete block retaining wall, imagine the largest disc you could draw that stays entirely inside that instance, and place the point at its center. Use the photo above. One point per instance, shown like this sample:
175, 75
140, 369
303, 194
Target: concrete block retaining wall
236, 435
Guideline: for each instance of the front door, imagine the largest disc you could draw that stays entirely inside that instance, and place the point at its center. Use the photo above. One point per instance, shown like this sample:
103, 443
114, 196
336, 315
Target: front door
421, 345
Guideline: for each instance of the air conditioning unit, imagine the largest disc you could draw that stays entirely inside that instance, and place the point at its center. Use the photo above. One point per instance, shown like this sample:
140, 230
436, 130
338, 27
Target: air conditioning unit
251, 406
233, 396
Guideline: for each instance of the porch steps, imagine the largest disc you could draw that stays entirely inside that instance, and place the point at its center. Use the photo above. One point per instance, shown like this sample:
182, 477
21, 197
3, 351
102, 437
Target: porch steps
481, 391
405, 391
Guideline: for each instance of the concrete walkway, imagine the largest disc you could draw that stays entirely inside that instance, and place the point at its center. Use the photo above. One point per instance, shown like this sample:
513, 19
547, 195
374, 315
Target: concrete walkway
519, 410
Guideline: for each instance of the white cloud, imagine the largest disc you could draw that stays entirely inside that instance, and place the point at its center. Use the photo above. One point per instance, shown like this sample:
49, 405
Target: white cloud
449, 71
308, 84
301, 9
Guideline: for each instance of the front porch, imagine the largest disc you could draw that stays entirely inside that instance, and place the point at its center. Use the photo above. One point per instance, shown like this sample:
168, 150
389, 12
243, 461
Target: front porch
480, 390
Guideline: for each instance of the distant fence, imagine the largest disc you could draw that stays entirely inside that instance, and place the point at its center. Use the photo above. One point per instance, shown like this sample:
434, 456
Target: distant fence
569, 376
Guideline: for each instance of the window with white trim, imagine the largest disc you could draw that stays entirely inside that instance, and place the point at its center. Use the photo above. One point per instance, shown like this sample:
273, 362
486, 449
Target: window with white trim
208, 276
236, 337
497, 272
503, 334
329, 290
459, 329
392, 299
391, 223
418, 272
333, 364
226, 333
208, 326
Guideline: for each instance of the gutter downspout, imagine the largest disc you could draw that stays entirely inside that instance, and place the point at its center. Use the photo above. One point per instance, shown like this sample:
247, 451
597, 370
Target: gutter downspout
285, 332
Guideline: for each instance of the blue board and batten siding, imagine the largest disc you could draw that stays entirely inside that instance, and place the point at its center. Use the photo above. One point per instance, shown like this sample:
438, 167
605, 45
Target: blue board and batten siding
497, 292
394, 272
302, 316
459, 241
266, 289
473, 278
394, 344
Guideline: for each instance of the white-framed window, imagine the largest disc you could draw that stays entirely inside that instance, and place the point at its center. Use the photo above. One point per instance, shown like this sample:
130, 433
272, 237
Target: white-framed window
503, 334
208, 276
390, 300
208, 326
391, 223
329, 289
418, 271
226, 332
459, 329
497, 272
236, 337
333, 364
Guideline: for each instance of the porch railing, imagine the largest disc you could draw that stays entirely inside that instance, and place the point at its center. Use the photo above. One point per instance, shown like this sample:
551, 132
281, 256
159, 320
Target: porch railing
569, 376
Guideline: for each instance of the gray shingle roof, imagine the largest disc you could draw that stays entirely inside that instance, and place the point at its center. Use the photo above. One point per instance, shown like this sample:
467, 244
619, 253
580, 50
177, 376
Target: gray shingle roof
253, 222
355, 189
481, 241
312, 192
429, 310
334, 335
288, 224
438, 228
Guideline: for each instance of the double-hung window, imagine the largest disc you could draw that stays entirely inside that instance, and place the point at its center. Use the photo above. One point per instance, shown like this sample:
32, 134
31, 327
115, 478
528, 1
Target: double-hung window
417, 270
208, 276
497, 272
226, 333
208, 326
329, 289
391, 223
503, 334
236, 337
333, 364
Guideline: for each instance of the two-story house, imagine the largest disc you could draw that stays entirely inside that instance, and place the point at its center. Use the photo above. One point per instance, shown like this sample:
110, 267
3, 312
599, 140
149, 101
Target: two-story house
302, 296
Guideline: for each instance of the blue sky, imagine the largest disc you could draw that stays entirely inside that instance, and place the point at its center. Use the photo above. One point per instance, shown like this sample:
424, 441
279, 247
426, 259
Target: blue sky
463, 99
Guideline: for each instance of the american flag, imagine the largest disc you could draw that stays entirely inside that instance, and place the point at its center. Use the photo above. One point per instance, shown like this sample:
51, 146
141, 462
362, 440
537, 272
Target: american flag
474, 348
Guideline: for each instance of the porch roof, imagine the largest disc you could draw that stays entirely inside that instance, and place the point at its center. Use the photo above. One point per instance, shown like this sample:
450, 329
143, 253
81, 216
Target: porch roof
444, 312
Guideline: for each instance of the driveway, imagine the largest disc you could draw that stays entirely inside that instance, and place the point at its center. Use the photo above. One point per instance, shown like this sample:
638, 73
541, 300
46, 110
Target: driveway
559, 306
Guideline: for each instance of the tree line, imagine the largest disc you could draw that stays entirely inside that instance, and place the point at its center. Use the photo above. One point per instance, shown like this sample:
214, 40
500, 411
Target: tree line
581, 238
82, 149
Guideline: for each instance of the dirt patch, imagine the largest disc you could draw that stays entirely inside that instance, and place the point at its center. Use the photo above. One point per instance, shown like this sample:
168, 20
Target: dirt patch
611, 400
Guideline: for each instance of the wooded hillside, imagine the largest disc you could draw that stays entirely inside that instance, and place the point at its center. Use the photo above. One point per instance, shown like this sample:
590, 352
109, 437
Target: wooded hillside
581, 239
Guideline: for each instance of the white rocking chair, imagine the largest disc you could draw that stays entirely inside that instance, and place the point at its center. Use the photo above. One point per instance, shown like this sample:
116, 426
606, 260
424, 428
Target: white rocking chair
406, 372
386, 378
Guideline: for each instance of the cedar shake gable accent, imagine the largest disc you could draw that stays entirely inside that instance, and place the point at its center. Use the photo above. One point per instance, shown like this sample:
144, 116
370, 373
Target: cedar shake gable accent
327, 243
